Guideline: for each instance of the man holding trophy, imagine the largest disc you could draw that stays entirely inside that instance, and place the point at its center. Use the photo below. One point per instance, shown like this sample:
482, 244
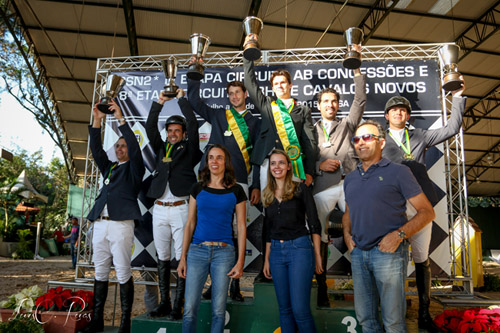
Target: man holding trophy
113, 214
173, 177
336, 159
407, 145
237, 130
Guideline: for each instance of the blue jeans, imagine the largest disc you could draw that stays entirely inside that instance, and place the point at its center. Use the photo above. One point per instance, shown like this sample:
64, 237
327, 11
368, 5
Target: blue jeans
292, 267
201, 260
380, 276
73, 254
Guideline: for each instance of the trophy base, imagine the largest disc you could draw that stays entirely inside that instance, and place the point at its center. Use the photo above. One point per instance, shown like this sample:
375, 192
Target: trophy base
452, 82
352, 60
103, 106
196, 72
252, 53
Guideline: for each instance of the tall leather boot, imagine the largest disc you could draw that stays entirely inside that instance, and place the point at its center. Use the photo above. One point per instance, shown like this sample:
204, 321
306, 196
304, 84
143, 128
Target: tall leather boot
234, 291
176, 313
164, 308
100, 294
423, 277
126, 299
322, 299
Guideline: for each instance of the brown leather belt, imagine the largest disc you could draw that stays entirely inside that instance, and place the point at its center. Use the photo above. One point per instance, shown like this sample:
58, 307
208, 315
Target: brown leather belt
207, 243
171, 204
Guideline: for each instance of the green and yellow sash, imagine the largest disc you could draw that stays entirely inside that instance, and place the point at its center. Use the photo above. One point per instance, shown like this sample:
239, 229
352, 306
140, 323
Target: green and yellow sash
239, 128
288, 136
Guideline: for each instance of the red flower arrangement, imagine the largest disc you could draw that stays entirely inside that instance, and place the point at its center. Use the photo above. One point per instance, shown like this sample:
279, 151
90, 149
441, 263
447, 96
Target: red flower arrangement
59, 299
470, 320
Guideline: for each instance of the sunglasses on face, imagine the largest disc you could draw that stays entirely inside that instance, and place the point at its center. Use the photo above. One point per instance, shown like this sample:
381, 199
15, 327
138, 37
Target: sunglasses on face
365, 137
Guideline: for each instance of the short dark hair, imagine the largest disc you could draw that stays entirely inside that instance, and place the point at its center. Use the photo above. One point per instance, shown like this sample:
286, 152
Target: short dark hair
229, 179
328, 91
236, 84
381, 130
281, 72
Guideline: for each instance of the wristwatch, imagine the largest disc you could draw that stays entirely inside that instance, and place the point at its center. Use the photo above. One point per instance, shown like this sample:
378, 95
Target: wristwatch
401, 234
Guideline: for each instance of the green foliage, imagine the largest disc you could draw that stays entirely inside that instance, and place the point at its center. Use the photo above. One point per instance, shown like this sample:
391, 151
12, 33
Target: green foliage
50, 180
491, 282
23, 247
25, 299
21, 325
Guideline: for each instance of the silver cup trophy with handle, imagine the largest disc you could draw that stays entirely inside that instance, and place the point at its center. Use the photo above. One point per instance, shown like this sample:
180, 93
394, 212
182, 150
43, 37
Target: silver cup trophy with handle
110, 90
199, 46
252, 25
352, 58
449, 57
170, 69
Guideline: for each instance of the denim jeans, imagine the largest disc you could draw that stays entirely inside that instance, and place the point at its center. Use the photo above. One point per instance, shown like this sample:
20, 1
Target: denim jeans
73, 254
292, 267
201, 260
380, 276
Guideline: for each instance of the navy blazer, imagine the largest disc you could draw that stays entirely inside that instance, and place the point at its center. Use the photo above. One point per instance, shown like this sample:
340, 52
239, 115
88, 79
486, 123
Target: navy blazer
125, 183
217, 118
269, 138
179, 173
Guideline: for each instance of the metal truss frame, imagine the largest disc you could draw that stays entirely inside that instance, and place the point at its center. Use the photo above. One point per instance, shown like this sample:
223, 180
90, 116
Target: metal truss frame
453, 149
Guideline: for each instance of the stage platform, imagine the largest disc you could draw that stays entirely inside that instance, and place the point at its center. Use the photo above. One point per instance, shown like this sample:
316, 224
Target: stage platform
258, 314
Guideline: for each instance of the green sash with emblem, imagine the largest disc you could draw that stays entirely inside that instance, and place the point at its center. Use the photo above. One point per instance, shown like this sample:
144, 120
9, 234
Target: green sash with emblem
239, 129
288, 136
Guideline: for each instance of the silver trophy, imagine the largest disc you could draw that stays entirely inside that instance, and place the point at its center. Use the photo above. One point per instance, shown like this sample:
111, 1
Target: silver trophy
199, 46
114, 84
252, 25
451, 77
170, 70
352, 58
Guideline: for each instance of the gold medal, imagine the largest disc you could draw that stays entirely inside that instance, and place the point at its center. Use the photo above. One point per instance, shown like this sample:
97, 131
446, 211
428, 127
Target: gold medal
409, 156
293, 152
166, 159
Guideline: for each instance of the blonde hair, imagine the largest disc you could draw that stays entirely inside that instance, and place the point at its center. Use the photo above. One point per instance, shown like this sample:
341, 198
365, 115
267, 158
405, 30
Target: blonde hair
290, 186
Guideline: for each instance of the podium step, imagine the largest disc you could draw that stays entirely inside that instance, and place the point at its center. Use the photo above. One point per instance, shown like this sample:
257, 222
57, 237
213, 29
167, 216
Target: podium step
258, 314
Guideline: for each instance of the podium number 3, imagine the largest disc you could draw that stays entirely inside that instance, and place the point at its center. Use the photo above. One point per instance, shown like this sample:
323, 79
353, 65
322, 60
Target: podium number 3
351, 324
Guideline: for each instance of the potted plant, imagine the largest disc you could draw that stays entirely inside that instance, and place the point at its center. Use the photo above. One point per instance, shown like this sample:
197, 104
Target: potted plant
63, 310
347, 285
21, 325
19, 303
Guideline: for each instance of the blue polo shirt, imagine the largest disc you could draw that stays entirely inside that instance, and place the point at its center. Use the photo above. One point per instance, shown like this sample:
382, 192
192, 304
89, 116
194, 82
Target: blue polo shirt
377, 200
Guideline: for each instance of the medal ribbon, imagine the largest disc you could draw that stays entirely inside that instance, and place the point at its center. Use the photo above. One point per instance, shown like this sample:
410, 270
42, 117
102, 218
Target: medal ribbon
111, 169
327, 137
406, 149
288, 136
168, 150
237, 124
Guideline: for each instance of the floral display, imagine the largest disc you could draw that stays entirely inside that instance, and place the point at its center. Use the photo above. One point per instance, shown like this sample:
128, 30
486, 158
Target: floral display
59, 299
470, 320
23, 300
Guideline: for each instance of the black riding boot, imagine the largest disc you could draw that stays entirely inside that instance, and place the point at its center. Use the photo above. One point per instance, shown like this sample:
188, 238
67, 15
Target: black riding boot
423, 277
164, 308
176, 313
126, 299
322, 299
234, 291
100, 294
